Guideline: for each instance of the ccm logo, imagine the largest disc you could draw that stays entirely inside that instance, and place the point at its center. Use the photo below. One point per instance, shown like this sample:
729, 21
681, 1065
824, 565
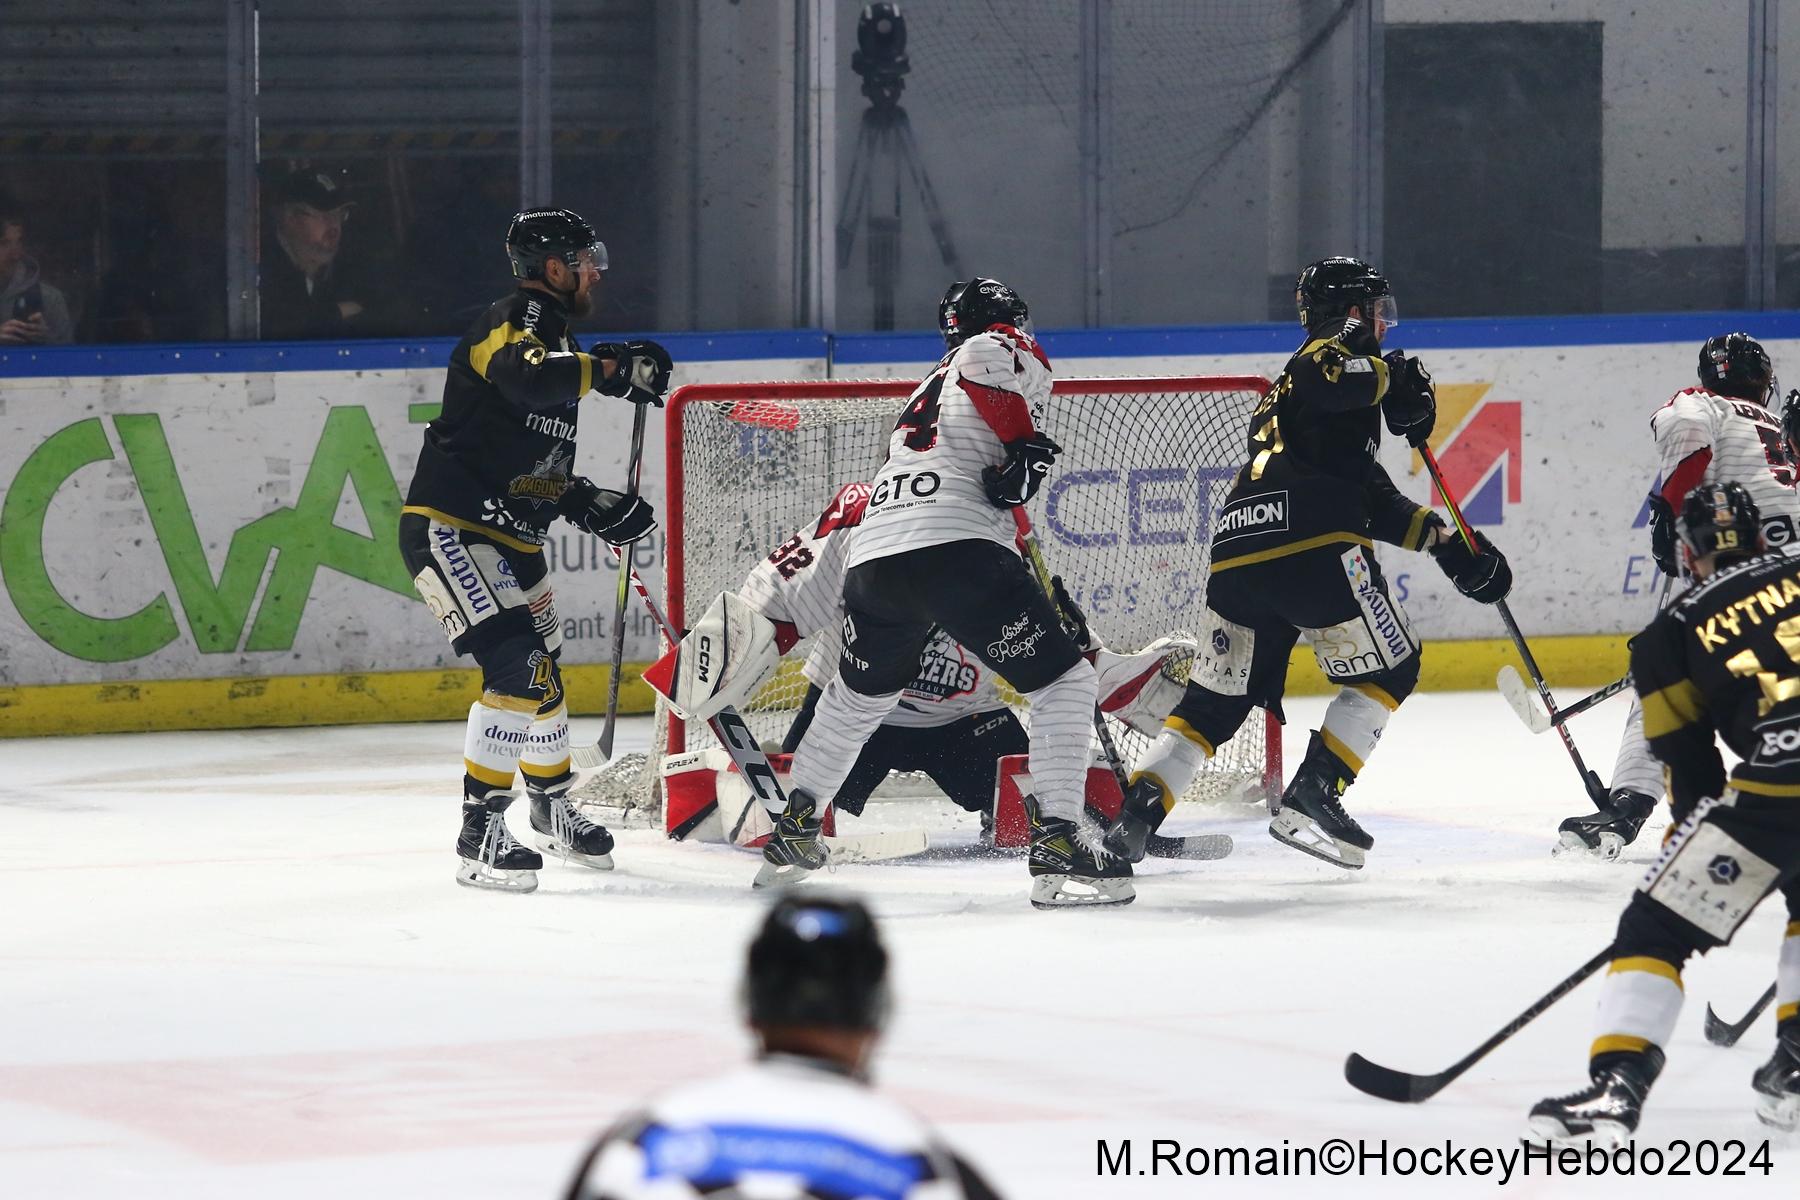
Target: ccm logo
703, 659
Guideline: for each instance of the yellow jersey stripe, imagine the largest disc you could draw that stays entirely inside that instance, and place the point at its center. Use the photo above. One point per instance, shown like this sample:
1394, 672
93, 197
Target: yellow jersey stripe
1337, 747
587, 373
1788, 1012
444, 518
505, 703
1650, 966
1757, 787
1378, 694
498, 338
1415, 532
1668, 709
1793, 929
1300, 547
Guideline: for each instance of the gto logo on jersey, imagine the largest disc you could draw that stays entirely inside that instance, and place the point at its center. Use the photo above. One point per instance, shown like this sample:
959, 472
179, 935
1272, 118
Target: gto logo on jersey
1017, 640
461, 569
1266, 513
918, 484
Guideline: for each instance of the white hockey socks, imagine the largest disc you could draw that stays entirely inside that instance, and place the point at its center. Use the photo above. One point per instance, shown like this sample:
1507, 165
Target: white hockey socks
1636, 768
1062, 723
1639, 1001
498, 727
1173, 759
841, 723
545, 762
1353, 724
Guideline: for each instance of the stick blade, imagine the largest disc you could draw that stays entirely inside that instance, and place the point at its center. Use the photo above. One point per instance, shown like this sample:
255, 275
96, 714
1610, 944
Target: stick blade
1717, 1031
587, 757
1385, 1083
1197, 847
1521, 699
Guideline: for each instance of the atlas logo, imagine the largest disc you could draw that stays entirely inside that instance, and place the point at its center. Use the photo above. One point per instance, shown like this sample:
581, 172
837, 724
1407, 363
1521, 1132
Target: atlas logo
1472, 441
1724, 869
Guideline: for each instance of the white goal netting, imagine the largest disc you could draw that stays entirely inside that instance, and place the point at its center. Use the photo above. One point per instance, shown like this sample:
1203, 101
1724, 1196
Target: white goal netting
1123, 519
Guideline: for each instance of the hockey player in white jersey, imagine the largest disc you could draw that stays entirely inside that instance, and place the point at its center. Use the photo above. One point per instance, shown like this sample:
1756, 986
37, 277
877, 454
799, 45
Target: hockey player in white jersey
1721, 431
802, 1122
950, 722
936, 549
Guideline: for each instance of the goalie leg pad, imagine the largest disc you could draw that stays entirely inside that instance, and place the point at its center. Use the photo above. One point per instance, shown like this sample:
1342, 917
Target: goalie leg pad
721, 662
1140, 689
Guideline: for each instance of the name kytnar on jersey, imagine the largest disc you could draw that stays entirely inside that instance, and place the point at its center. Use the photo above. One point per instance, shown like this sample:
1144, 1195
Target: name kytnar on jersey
1751, 609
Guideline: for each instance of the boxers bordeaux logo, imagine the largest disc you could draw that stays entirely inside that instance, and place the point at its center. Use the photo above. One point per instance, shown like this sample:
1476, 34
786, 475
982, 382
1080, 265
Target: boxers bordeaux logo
1267, 513
1017, 640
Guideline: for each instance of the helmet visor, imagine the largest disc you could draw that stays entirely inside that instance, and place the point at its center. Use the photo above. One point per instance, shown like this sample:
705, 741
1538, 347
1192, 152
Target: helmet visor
593, 255
1384, 311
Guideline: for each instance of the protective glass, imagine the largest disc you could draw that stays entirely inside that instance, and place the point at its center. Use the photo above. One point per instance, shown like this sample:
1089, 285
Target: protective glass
592, 256
1385, 311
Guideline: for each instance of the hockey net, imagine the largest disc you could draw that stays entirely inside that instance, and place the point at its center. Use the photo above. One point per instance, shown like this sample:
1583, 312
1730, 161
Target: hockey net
1124, 520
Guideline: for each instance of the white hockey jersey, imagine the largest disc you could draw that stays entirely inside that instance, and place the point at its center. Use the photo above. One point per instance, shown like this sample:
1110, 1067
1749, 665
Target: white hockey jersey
783, 1129
1703, 437
802, 583
990, 390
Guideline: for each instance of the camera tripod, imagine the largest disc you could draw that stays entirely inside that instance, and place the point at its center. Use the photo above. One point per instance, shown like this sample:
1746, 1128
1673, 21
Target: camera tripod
885, 143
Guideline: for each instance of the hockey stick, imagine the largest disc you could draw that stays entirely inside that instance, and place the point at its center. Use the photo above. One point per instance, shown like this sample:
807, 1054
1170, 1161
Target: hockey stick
1385, 1083
1526, 708
1589, 780
632, 470
1202, 846
1721, 1034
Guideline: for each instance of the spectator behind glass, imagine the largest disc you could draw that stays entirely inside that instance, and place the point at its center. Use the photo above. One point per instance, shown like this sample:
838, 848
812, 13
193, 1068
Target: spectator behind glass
31, 311
309, 290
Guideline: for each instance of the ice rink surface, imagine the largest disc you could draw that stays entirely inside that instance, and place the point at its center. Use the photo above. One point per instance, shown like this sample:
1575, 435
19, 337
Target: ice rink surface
236, 964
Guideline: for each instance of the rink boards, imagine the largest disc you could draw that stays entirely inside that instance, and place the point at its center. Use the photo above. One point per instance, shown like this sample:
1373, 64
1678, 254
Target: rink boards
203, 537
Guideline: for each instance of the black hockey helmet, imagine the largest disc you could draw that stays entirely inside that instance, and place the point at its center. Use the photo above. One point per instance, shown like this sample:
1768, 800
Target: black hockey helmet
817, 960
540, 234
1721, 519
969, 308
1735, 364
1327, 289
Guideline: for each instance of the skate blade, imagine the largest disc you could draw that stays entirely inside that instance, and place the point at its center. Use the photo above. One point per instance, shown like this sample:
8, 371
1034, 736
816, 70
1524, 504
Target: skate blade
555, 848
1292, 829
773, 875
1779, 1112
478, 875
1571, 845
1607, 1135
1053, 891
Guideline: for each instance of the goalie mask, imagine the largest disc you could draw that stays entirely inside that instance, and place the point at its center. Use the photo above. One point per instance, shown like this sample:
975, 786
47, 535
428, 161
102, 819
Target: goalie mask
970, 308
1736, 365
1720, 519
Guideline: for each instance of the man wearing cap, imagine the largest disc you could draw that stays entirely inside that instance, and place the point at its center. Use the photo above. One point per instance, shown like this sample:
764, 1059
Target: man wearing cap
308, 291
496, 468
802, 1120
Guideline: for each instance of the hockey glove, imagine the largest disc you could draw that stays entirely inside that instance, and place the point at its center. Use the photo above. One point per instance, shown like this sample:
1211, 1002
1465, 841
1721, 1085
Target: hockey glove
1410, 405
1662, 535
1016, 480
614, 517
1790, 426
1481, 575
641, 374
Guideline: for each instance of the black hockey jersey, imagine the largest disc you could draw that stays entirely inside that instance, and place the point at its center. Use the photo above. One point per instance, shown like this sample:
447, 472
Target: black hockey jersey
1725, 659
500, 454
1312, 478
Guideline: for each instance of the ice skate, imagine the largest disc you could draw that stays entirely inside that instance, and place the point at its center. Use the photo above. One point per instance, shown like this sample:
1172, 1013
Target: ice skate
1777, 1083
490, 856
1067, 868
1606, 832
1141, 813
1311, 817
1606, 1112
564, 832
793, 851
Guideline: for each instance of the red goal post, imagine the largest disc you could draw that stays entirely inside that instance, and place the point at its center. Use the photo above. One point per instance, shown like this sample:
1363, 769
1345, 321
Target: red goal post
1124, 517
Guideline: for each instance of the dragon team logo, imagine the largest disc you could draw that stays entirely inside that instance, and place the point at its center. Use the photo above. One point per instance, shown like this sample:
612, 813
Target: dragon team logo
547, 481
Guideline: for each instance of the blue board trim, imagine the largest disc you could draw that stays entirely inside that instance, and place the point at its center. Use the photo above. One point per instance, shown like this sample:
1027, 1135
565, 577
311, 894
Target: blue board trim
852, 349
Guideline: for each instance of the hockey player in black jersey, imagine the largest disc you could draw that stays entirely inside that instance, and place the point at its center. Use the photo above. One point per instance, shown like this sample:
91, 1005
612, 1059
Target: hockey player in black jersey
1292, 555
1723, 662
496, 468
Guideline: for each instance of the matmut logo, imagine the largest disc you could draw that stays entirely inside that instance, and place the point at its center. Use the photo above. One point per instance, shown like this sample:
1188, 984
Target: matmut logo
1473, 441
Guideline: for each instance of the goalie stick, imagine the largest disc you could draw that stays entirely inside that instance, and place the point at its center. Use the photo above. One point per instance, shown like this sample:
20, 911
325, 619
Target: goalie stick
1202, 846
1385, 1083
1520, 699
1590, 781
747, 754
1721, 1034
